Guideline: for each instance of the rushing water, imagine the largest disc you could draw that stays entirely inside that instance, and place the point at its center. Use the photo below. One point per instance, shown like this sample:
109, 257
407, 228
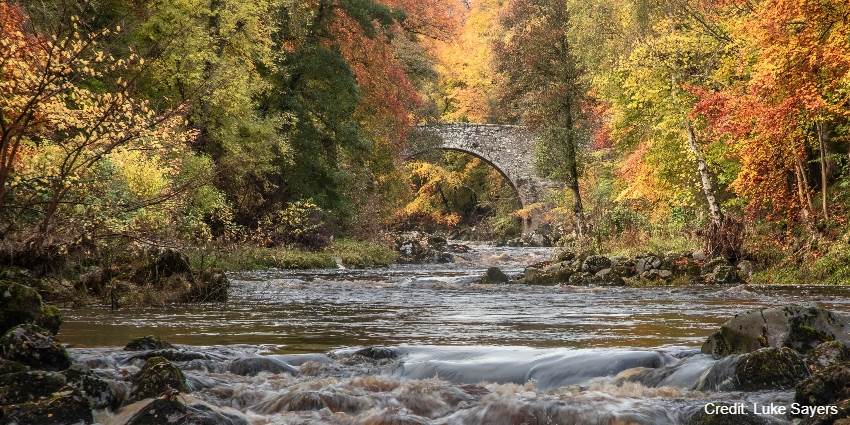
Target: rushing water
282, 350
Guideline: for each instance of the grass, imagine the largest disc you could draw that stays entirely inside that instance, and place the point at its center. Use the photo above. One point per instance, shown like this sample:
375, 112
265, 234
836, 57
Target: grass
832, 268
351, 253
634, 244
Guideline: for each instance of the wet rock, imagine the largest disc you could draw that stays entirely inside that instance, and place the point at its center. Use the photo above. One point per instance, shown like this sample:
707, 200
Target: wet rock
549, 274
841, 416
770, 369
174, 412
459, 248
580, 279
745, 269
172, 355
8, 366
700, 417
607, 277
148, 342
494, 276
34, 347
594, 263
646, 262
825, 387
250, 366
27, 386
827, 354
723, 275
157, 376
798, 327
50, 319
419, 247
66, 407
377, 353
19, 304
101, 392
711, 265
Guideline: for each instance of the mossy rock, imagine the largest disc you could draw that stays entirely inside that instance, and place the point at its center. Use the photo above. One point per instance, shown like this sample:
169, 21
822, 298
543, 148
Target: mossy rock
799, 327
748, 418
770, 369
173, 412
101, 392
827, 354
50, 319
61, 408
19, 304
34, 347
157, 376
494, 276
27, 386
9, 366
149, 342
825, 387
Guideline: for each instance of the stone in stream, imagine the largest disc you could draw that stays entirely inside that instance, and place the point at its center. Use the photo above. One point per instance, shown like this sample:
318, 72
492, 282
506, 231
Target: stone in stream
65, 407
770, 369
377, 353
148, 342
799, 327
156, 377
251, 366
825, 387
34, 347
101, 392
27, 386
494, 276
173, 411
20, 304
827, 354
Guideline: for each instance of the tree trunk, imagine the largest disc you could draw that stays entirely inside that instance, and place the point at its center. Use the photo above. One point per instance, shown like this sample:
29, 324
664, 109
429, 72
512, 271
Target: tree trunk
801, 190
823, 171
572, 165
705, 178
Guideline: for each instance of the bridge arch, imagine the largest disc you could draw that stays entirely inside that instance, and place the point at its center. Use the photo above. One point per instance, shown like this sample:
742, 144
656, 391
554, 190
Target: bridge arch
507, 148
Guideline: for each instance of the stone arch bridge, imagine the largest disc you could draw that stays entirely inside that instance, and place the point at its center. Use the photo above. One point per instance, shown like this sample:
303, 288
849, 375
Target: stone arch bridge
507, 148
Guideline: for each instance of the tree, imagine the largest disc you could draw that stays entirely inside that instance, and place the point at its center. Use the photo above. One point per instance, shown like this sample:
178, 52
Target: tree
540, 79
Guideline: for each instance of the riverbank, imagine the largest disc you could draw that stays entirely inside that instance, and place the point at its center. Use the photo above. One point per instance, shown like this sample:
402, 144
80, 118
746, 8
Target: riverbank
344, 252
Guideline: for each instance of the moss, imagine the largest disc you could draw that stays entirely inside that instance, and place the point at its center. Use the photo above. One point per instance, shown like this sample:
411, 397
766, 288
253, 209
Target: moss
19, 304
244, 258
770, 368
157, 376
50, 319
831, 268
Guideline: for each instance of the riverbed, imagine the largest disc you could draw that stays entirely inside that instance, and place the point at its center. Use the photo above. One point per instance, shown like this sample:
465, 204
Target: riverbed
288, 346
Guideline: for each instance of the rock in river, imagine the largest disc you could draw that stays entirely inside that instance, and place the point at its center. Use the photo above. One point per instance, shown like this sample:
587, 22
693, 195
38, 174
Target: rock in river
32, 346
494, 276
157, 376
149, 342
799, 327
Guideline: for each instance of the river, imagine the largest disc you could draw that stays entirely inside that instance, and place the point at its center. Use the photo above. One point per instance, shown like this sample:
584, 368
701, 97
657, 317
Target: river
284, 348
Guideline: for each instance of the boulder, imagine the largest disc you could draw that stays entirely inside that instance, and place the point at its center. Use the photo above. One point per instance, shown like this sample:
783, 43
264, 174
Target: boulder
157, 376
594, 263
8, 366
607, 277
251, 366
148, 342
580, 279
172, 355
770, 369
19, 304
494, 276
34, 347
50, 319
723, 275
827, 354
174, 412
27, 386
377, 353
825, 387
700, 417
799, 327
745, 269
101, 392
646, 262
548, 274
66, 407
